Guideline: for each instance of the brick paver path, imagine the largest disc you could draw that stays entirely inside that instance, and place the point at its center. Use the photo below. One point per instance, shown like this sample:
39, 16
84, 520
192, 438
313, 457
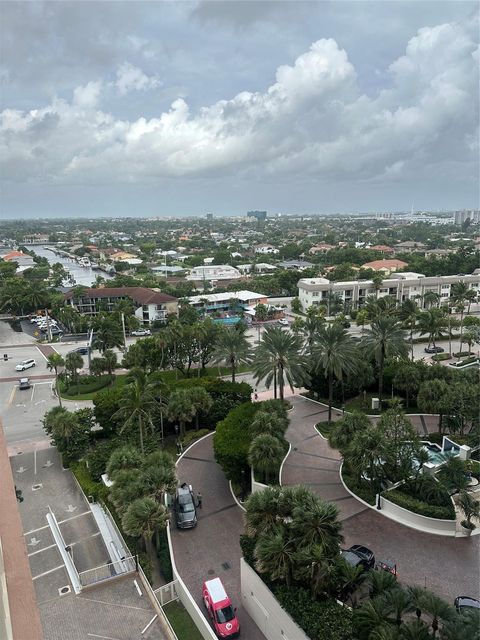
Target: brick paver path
447, 566
212, 548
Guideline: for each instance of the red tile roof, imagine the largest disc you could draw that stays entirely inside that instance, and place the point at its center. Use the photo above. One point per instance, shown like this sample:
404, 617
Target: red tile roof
15, 254
141, 295
385, 264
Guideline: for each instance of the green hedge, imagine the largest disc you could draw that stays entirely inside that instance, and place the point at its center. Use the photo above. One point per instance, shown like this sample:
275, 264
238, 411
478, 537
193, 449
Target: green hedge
325, 428
464, 362
89, 384
232, 438
191, 436
89, 487
320, 619
360, 488
441, 356
418, 506
163, 554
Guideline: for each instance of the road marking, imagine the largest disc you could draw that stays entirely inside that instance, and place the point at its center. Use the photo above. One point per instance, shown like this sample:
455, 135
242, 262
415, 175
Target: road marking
94, 535
149, 624
45, 573
94, 635
35, 530
10, 400
112, 604
137, 588
47, 464
33, 553
21, 469
33, 393
35, 462
42, 353
85, 513
71, 508
33, 542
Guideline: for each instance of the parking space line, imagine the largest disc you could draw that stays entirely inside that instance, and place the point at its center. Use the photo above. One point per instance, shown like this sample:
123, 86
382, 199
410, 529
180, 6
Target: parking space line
85, 513
94, 635
114, 604
12, 395
35, 530
94, 535
45, 573
35, 462
33, 392
40, 550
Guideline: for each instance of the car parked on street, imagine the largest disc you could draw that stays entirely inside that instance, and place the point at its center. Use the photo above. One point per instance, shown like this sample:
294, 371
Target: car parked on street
23, 384
284, 322
141, 332
359, 555
185, 507
26, 364
220, 609
466, 603
434, 349
83, 351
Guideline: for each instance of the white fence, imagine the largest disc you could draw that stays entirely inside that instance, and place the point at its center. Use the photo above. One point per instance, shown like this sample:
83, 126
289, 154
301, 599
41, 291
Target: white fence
107, 571
265, 610
417, 521
167, 593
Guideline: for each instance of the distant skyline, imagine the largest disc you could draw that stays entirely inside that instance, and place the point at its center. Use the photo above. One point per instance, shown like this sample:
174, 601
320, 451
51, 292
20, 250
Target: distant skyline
183, 108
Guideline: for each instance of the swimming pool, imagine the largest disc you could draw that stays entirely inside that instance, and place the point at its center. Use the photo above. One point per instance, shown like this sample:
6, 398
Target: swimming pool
436, 455
229, 320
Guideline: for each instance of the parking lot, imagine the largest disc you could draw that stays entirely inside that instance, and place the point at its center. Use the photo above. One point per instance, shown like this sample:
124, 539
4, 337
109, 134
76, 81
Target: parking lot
115, 609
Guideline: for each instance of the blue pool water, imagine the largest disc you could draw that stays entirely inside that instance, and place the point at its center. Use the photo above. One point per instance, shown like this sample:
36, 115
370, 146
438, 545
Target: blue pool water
436, 455
231, 320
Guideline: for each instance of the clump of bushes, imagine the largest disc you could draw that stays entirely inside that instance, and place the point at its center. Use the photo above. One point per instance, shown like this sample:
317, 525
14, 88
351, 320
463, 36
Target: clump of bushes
191, 436
86, 384
401, 498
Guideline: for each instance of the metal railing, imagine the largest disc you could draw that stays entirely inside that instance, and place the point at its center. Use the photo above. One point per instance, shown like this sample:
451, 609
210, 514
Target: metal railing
167, 593
107, 571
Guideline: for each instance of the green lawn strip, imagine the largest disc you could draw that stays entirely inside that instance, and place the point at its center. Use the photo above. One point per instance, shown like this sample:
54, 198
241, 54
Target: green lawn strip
325, 428
88, 393
181, 621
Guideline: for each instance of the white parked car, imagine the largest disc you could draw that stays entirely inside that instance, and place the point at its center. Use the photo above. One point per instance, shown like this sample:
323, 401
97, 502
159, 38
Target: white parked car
36, 319
284, 322
141, 332
26, 364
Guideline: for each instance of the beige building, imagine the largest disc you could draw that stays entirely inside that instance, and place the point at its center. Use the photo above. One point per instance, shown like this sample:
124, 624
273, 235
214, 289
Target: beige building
402, 286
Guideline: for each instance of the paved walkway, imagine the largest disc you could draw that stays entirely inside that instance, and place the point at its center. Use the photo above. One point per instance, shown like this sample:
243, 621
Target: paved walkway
212, 548
447, 566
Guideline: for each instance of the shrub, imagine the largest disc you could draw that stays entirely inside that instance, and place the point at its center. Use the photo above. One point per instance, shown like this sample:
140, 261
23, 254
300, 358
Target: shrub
89, 487
464, 362
417, 506
163, 554
462, 354
320, 619
247, 545
441, 356
191, 436
360, 488
98, 457
231, 441
325, 428
86, 384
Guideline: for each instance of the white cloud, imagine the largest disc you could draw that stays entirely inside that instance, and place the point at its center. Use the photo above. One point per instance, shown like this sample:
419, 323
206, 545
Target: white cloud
312, 121
131, 78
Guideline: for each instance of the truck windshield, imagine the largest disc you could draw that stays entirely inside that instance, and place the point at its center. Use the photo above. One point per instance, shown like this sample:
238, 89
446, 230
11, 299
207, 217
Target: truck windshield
224, 615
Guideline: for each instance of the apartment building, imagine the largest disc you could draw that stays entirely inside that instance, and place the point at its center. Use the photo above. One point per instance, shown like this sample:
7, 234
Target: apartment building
402, 286
219, 302
214, 272
150, 305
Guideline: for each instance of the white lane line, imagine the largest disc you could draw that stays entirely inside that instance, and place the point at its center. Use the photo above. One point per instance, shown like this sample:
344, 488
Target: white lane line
94, 635
35, 530
34, 553
85, 513
112, 604
35, 462
33, 392
42, 353
12, 394
45, 573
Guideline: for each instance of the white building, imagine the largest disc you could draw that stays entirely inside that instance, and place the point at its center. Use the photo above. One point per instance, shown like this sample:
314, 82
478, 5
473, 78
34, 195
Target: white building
214, 272
265, 249
211, 302
402, 286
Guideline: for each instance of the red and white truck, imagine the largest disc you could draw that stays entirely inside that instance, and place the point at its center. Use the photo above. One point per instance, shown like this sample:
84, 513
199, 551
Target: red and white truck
220, 609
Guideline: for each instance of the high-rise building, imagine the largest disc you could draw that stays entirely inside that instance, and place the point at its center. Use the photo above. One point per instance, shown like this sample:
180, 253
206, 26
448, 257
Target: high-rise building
462, 216
261, 216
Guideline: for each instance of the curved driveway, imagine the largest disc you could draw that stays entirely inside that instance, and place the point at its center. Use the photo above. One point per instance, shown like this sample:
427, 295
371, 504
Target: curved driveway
447, 566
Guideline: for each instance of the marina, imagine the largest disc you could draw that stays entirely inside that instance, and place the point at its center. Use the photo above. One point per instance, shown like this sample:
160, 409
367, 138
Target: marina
80, 270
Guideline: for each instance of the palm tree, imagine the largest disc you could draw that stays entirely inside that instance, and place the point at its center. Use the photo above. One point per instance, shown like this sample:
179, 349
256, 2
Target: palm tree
408, 314
458, 295
159, 475
262, 511
143, 518
311, 325
430, 298
316, 523
123, 458
345, 429
470, 296
268, 422
377, 280
279, 358
314, 565
431, 398
73, 362
438, 610
110, 358
54, 362
275, 555
137, 403
384, 339
379, 582
265, 455
180, 408
470, 508
108, 333
366, 454
201, 401
335, 355
127, 487
432, 322
397, 602
233, 348
65, 424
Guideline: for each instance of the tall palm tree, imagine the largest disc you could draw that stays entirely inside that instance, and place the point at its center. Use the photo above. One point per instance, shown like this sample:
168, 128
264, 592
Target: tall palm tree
137, 404
201, 401
408, 314
385, 338
159, 475
180, 408
123, 458
265, 455
432, 398
458, 295
438, 610
335, 355
73, 362
110, 358
430, 299
262, 511
233, 348
143, 518
107, 333
311, 325
65, 424
316, 523
397, 602
268, 422
54, 362
470, 296
279, 358
433, 323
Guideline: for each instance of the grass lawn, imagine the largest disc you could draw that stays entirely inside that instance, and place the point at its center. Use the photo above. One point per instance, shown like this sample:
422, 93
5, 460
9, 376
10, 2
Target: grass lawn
181, 621
325, 428
118, 381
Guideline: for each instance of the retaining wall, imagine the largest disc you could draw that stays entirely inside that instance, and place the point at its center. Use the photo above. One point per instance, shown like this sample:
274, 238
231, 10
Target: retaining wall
417, 521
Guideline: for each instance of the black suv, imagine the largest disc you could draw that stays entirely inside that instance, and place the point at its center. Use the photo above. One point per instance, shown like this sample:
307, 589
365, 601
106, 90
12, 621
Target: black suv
358, 555
185, 507
83, 351
434, 349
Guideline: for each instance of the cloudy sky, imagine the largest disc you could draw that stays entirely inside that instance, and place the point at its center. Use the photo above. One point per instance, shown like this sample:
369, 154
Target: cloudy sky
183, 108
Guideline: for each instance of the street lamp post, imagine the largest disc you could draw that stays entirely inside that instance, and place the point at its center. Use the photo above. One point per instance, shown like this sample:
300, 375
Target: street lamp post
379, 506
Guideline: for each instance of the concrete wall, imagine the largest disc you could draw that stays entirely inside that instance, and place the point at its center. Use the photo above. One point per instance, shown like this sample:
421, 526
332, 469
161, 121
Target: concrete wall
257, 486
417, 521
187, 600
262, 606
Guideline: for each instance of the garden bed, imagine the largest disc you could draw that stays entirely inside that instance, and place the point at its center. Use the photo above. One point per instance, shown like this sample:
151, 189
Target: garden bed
362, 489
439, 357
403, 497
325, 428
466, 362
87, 388
181, 621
